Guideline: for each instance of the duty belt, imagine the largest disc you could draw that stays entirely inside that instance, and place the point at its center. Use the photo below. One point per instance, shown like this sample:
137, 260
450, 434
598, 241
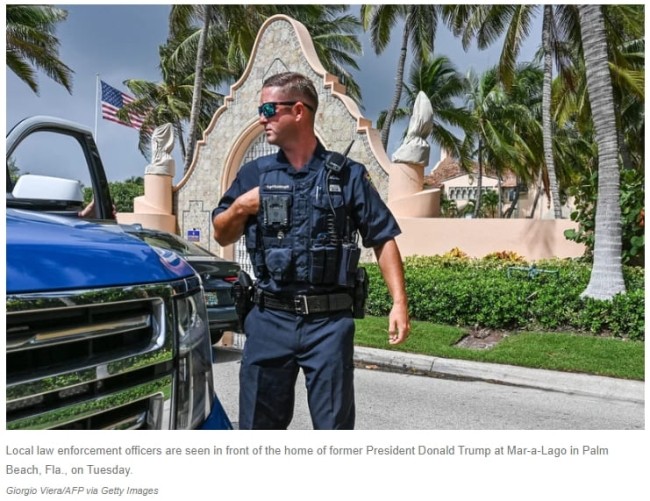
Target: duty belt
304, 305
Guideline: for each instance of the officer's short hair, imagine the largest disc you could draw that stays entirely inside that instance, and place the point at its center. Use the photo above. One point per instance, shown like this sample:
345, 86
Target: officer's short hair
297, 85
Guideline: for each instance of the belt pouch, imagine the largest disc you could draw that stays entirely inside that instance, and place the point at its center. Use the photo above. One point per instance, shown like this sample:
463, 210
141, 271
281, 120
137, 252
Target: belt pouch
350, 254
317, 264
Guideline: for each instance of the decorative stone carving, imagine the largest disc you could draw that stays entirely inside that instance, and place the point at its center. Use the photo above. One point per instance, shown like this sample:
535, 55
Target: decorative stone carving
162, 144
415, 148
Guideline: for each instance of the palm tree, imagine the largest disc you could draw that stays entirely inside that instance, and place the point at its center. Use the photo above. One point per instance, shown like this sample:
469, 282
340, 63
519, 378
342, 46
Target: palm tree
485, 101
507, 125
31, 44
170, 99
198, 85
547, 125
626, 50
487, 23
607, 273
490, 202
334, 33
419, 27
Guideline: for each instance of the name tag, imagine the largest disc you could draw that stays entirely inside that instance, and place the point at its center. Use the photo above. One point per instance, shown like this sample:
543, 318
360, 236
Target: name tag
277, 187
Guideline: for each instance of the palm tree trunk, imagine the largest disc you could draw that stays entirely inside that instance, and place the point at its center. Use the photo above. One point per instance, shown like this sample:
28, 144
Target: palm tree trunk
178, 127
500, 200
479, 183
626, 160
607, 273
538, 193
399, 79
198, 86
513, 205
547, 126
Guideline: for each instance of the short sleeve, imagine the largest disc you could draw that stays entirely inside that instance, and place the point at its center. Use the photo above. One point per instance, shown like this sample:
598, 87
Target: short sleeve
373, 219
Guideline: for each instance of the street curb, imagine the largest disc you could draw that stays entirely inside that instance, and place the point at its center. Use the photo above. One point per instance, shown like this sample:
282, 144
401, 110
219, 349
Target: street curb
574, 384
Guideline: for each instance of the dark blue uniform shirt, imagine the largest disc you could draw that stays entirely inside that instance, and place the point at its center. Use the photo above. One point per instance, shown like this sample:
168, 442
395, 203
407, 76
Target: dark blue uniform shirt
351, 187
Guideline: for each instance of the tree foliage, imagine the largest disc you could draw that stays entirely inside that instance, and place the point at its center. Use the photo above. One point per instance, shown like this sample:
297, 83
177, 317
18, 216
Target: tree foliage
122, 193
632, 210
32, 45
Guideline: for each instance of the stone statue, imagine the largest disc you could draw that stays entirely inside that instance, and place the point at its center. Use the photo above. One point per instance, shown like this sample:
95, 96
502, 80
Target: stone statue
162, 143
415, 148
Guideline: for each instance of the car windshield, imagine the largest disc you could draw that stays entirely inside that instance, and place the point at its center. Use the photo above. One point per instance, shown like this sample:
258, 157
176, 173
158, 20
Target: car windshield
174, 243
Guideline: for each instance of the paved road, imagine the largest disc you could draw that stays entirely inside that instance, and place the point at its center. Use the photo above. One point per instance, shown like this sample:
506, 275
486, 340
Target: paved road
395, 401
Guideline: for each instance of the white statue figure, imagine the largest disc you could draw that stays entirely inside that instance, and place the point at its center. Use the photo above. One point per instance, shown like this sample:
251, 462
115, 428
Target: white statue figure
415, 148
162, 143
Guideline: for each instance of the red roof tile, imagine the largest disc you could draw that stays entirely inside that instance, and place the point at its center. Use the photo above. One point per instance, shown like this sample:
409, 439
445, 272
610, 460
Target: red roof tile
449, 168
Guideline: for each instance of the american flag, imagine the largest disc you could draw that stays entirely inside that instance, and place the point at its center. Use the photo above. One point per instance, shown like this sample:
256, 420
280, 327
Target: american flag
112, 101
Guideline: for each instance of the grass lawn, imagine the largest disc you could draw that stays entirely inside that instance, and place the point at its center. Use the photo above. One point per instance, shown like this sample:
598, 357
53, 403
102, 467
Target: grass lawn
542, 350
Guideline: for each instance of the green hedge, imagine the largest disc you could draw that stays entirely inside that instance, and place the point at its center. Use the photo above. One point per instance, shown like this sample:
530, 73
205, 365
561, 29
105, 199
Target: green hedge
455, 290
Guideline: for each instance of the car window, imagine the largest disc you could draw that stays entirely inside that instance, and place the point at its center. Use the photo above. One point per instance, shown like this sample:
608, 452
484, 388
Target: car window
51, 154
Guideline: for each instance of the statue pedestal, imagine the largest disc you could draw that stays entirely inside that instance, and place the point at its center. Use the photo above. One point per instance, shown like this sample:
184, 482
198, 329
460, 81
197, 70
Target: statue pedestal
153, 209
405, 195
404, 180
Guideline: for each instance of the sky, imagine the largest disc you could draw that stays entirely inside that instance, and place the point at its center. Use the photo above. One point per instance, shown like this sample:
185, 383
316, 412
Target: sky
120, 42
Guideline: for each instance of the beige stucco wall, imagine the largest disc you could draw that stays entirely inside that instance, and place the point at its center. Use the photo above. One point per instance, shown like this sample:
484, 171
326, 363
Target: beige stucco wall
532, 239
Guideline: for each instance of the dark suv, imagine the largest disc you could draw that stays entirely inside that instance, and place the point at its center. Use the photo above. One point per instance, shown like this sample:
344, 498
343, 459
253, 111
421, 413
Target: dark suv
217, 274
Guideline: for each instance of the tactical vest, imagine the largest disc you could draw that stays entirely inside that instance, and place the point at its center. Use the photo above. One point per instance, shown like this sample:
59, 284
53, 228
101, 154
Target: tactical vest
303, 231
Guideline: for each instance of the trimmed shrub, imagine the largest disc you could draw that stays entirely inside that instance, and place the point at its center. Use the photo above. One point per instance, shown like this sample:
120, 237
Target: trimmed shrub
504, 292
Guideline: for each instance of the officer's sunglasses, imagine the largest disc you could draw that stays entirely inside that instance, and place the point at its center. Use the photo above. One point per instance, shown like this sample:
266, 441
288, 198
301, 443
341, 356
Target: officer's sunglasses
271, 108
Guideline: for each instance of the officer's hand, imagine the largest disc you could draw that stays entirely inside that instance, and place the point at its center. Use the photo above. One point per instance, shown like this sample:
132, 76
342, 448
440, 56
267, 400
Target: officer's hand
249, 202
398, 324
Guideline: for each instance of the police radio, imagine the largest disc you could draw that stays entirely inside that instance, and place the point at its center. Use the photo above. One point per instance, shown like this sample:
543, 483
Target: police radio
348, 250
336, 161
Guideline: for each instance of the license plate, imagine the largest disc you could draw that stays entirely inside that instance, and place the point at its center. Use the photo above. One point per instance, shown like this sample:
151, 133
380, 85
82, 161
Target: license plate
211, 299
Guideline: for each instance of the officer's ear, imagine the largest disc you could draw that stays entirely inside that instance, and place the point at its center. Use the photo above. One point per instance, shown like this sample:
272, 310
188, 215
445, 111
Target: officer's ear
302, 110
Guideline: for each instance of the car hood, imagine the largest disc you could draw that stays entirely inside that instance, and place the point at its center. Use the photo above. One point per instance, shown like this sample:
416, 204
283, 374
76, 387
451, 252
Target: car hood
215, 267
47, 253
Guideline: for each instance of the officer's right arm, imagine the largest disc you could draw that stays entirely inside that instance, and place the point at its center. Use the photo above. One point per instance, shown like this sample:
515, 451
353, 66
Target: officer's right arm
229, 225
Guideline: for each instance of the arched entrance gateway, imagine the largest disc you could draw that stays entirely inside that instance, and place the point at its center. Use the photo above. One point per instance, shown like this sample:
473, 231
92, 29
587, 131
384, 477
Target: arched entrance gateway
234, 136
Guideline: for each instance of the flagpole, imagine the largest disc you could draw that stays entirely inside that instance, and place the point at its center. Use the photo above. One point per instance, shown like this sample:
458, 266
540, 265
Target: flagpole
96, 105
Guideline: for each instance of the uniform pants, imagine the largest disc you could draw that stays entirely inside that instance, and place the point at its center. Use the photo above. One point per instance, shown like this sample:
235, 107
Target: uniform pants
278, 345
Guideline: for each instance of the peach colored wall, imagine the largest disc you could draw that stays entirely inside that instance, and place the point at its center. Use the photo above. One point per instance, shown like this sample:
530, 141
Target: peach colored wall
532, 239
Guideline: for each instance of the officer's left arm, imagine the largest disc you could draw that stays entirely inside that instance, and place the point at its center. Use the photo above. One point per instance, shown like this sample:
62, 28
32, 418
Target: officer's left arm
378, 229
390, 264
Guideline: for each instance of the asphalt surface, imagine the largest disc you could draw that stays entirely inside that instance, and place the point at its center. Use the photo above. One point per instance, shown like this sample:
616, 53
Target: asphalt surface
565, 382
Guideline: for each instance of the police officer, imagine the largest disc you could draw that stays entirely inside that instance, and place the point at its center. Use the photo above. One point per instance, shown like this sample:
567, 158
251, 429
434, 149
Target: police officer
301, 210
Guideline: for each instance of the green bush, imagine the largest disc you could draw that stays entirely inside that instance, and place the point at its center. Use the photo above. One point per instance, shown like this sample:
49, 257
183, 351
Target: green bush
456, 290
